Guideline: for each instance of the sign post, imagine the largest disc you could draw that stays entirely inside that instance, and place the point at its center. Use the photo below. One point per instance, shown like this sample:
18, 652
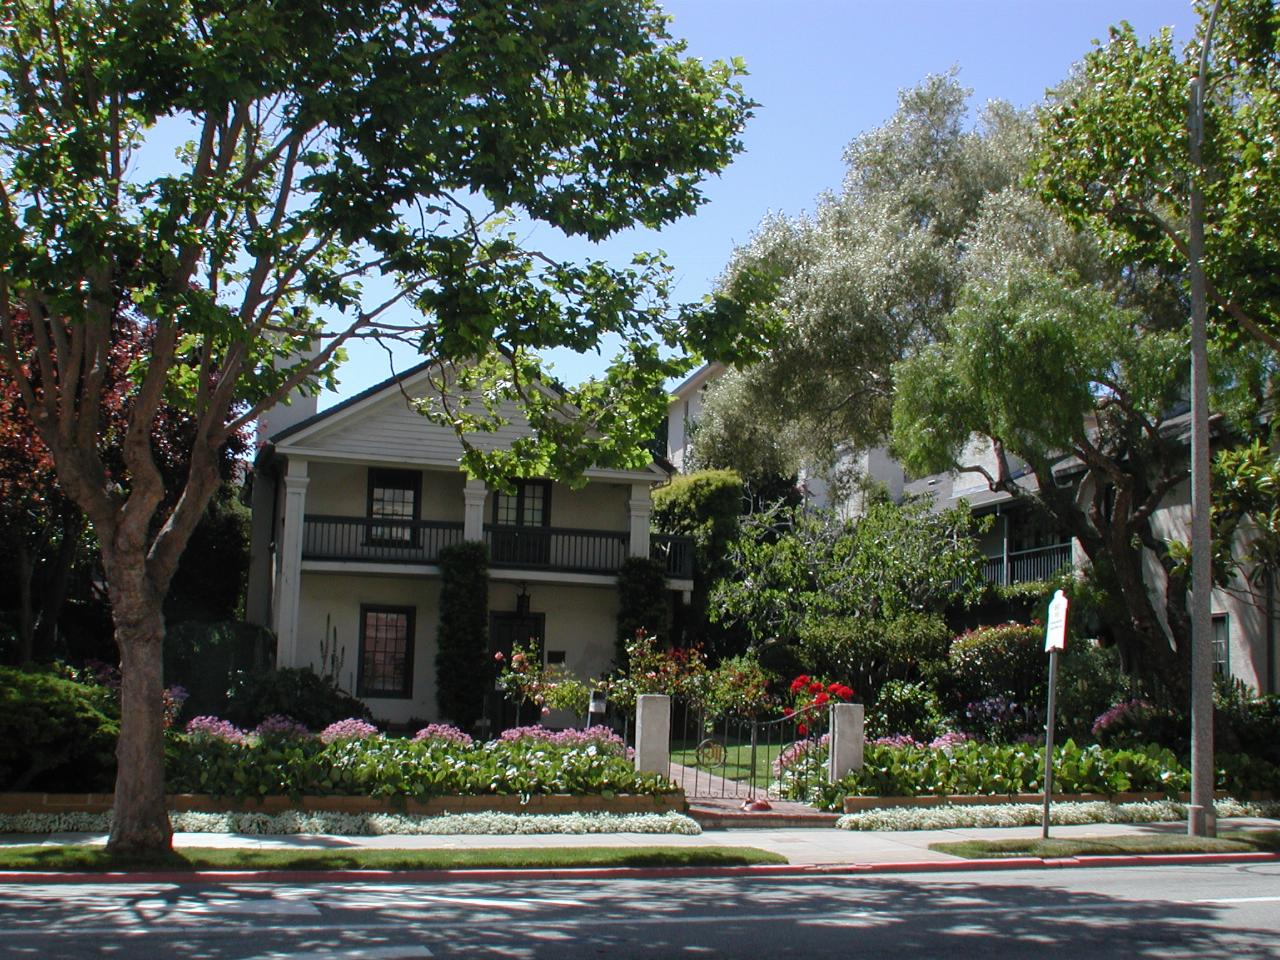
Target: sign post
1055, 639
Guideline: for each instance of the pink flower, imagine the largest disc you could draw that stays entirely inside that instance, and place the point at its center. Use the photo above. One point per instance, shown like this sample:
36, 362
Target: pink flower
498, 656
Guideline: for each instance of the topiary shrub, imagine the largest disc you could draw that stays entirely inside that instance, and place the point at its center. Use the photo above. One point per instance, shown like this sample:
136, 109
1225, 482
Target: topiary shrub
872, 651
297, 693
906, 709
643, 603
463, 670
56, 734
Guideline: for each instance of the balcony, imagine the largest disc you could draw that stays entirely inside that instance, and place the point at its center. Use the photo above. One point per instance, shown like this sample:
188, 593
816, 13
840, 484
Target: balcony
1026, 566
378, 540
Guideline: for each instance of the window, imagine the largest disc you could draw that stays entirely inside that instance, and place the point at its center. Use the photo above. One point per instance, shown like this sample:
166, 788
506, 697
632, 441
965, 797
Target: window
1221, 645
394, 495
529, 505
386, 652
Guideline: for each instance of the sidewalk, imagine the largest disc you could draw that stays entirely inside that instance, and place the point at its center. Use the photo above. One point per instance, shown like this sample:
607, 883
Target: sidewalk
801, 846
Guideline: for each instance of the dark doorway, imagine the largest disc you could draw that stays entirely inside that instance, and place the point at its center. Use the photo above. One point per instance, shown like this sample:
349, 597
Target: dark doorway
505, 630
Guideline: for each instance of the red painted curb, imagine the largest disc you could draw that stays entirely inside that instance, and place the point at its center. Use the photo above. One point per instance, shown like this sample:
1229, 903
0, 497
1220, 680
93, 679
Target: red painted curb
632, 873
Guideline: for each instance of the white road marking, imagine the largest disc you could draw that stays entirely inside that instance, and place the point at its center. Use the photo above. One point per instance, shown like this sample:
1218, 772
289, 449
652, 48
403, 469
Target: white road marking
351, 953
1235, 900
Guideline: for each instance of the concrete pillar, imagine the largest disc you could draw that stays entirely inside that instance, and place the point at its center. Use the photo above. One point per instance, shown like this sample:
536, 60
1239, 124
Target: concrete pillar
290, 546
653, 734
848, 735
639, 509
473, 496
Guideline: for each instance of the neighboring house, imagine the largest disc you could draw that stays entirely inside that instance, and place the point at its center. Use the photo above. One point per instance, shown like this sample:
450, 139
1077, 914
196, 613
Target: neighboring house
352, 507
684, 410
1023, 546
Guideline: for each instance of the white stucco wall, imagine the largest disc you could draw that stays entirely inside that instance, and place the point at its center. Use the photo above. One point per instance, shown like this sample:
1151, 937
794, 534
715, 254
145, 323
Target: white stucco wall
342, 490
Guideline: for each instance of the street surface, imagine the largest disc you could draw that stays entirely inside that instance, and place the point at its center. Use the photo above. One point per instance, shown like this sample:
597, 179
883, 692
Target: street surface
1166, 912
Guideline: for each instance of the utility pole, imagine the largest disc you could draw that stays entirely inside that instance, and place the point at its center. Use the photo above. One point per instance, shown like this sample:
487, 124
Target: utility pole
1200, 814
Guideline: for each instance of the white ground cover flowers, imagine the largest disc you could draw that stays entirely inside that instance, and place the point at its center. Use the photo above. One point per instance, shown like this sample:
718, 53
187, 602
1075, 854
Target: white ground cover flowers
1029, 814
372, 824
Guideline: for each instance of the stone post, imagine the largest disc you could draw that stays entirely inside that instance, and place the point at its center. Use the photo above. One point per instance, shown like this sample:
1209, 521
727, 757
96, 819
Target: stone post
653, 734
848, 734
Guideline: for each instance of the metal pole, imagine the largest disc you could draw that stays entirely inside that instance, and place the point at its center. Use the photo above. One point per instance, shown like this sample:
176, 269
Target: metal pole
1200, 817
1048, 741
754, 728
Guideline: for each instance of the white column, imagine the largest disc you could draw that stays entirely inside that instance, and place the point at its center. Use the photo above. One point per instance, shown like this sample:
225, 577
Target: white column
847, 738
290, 583
639, 508
473, 495
653, 734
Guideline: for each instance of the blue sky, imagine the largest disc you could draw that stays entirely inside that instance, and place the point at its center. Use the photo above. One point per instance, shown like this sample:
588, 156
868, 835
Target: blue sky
823, 71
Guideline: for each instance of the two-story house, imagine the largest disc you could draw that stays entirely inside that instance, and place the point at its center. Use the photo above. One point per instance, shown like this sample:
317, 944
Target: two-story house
351, 507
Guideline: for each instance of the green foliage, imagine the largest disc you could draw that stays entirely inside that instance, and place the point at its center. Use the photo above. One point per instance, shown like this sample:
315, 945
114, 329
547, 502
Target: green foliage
1089, 681
740, 687
463, 671
1006, 660
56, 734
207, 658
1114, 156
870, 652
906, 709
298, 693
644, 603
210, 581
860, 282
981, 768
794, 567
1246, 722
399, 768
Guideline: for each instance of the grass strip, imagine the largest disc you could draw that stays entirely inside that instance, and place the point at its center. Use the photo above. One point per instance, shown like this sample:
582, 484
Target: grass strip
79, 858
1239, 841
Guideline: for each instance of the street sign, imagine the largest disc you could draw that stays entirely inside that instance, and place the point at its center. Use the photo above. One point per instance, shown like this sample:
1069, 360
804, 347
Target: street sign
1055, 634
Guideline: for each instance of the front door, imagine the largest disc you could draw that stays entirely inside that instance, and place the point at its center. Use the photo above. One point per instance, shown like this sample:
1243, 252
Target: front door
506, 630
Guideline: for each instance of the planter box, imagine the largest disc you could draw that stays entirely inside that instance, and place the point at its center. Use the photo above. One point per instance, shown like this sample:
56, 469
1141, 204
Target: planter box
858, 804
537, 803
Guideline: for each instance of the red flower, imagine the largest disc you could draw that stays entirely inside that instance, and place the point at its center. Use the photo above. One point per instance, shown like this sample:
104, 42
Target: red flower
799, 683
802, 730
815, 687
787, 712
845, 693
820, 699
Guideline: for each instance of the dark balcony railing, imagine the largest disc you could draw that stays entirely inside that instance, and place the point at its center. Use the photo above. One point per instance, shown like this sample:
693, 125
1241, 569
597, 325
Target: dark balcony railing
382, 540
376, 539
1025, 566
675, 552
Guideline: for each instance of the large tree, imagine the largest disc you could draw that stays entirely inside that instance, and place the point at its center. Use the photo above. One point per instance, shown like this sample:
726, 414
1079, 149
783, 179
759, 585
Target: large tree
869, 275
359, 168
1114, 156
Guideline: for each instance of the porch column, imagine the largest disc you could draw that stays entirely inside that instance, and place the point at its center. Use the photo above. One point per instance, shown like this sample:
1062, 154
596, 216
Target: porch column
473, 495
639, 508
289, 584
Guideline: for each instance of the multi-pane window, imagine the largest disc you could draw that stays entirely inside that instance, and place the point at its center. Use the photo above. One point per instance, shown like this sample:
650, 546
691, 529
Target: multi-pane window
528, 505
394, 495
386, 652
1221, 646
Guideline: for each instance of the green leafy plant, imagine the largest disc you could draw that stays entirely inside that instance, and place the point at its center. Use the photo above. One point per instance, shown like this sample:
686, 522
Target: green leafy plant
55, 733
295, 692
463, 670
644, 602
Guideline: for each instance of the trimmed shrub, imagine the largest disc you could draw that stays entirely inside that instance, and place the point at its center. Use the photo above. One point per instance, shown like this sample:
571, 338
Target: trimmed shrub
56, 734
297, 693
1005, 660
872, 651
906, 709
463, 670
643, 603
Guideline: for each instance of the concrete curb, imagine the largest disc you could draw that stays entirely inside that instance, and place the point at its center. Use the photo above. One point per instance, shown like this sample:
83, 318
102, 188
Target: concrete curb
634, 873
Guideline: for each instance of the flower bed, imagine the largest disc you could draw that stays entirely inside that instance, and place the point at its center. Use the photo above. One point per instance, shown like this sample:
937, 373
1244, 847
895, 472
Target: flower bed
949, 817
944, 769
352, 759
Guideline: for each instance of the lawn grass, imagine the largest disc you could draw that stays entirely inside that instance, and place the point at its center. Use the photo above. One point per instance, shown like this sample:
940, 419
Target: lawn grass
1237, 841
97, 859
737, 761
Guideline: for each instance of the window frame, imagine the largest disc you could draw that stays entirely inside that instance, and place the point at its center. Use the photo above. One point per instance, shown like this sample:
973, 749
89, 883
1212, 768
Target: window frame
1225, 661
406, 691
522, 487
389, 478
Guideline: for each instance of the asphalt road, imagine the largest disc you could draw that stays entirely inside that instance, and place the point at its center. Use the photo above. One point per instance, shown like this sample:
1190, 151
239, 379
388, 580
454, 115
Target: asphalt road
1165, 912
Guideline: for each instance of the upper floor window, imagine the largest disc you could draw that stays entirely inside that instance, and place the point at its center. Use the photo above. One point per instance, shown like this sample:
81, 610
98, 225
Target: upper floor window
394, 495
528, 505
1221, 646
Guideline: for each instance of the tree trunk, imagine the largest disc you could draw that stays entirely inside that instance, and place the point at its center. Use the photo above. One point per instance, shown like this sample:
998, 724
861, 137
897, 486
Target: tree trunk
141, 822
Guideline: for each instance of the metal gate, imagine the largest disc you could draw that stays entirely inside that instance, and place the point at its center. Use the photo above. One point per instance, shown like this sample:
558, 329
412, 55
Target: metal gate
748, 758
